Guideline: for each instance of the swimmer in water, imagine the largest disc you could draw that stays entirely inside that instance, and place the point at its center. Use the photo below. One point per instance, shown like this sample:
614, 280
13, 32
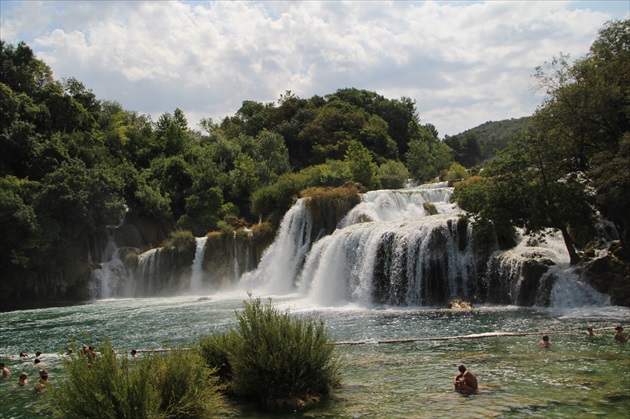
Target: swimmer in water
544, 343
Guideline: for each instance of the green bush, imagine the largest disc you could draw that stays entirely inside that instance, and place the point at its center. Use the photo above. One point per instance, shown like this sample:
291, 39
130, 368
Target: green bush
187, 387
215, 350
181, 240
177, 384
273, 358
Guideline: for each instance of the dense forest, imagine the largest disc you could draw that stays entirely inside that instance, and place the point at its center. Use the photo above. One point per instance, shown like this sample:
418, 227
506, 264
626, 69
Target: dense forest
73, 167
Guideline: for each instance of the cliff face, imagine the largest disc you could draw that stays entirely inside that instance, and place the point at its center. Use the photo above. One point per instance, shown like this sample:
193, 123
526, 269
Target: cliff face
609, 273
229, 255
57, 280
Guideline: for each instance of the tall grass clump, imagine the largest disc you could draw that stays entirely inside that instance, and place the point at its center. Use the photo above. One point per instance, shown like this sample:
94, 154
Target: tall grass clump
177, 384
274, 358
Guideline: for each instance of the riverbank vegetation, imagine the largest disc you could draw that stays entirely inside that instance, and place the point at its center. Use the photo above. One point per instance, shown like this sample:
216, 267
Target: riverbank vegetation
75, 168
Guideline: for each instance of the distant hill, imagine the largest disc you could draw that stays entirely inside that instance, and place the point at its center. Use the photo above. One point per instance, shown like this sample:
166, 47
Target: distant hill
478, 144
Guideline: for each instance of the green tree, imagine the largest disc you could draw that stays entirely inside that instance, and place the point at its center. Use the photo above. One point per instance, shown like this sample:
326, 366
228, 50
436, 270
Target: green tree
362, 168
244, 176
587, 112
530, 188
393, 174
18, 222
427, 155
21, 71
271, 157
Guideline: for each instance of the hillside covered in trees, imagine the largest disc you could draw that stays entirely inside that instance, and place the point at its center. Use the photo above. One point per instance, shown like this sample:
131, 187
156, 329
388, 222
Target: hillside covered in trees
73, 167
482, 143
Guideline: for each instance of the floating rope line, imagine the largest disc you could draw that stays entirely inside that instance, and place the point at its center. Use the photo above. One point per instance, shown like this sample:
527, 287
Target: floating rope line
475, 336
463, 337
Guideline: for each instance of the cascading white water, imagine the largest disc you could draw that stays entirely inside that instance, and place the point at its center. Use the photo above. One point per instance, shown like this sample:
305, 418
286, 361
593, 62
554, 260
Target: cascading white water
391, 262
390, 250
396, 247
235, 267
149, 267
112, 278
196, 275
569, 292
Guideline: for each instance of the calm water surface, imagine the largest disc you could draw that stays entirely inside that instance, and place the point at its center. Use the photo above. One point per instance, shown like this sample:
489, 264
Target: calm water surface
577, 377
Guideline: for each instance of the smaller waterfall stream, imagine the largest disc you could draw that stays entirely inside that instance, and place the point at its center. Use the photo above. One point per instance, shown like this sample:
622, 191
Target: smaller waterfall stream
196, 276
281, 262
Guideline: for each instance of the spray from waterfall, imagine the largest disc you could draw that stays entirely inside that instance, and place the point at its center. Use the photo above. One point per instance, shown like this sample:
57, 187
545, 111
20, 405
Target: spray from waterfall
281, 262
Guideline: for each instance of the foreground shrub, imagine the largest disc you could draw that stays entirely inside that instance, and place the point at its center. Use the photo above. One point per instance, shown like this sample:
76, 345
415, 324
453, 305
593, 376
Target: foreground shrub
274, 358
215, 349
177, 384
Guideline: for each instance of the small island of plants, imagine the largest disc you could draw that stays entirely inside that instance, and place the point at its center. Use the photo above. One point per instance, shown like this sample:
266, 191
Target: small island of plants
270, 358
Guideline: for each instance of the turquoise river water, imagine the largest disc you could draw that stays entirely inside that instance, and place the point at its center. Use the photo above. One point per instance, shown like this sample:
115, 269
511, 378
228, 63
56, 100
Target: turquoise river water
578, 377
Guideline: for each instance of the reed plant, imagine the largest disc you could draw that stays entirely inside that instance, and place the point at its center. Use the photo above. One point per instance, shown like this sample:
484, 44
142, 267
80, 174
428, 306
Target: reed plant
275, 358
175, 384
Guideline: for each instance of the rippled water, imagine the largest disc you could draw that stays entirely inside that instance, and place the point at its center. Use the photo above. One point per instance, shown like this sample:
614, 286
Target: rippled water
578, 376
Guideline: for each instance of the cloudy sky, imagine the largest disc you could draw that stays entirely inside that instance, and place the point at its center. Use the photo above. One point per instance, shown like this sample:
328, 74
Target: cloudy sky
464, 62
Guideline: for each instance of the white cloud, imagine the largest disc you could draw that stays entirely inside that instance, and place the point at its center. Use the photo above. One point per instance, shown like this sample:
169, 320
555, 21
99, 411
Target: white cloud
464, 62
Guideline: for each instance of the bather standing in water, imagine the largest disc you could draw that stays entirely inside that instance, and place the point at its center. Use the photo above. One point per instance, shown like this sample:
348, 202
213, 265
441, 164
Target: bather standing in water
465, 381
42, 382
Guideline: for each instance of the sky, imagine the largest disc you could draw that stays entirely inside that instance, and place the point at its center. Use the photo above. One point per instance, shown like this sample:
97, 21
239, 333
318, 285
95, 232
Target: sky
463, 62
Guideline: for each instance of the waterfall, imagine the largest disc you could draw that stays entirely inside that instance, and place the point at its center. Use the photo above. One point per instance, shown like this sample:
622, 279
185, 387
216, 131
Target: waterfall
111, 278
149, 268
387, 250
235, 268
569, 292
196, 276
410, 247
402, 262
390, 250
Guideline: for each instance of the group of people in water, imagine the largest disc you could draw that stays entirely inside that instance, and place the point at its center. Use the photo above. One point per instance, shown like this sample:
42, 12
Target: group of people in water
23, 380
43, 375
466, 382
